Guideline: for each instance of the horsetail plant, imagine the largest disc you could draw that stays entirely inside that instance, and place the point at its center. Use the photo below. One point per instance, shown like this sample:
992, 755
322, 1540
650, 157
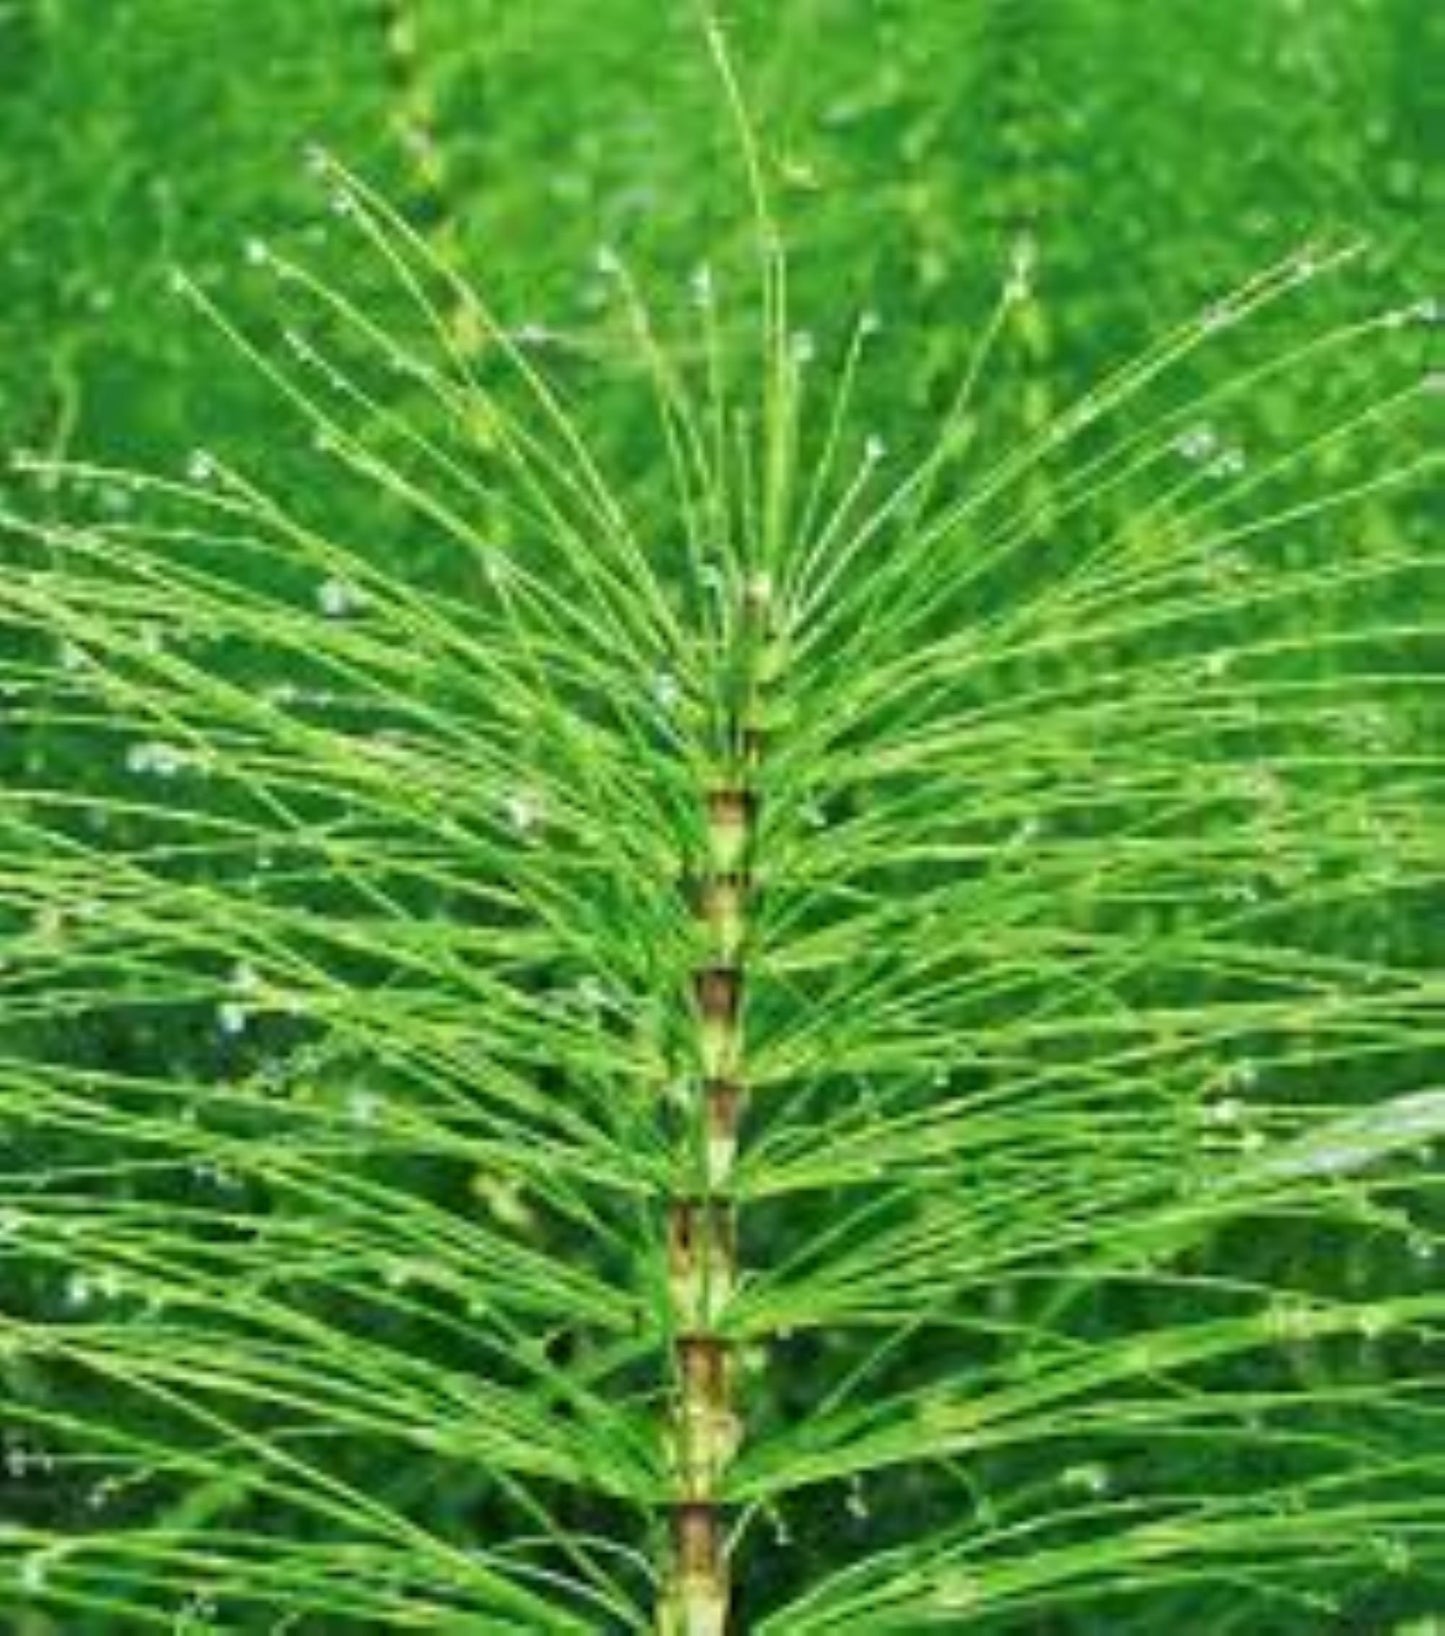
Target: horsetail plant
712, 1027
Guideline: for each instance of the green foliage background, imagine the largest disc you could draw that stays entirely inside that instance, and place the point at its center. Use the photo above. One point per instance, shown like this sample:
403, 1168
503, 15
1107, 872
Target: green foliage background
1141, 159
1160, 153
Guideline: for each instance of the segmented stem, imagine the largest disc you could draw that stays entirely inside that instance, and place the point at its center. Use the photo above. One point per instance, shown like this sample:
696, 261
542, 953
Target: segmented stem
702, 1221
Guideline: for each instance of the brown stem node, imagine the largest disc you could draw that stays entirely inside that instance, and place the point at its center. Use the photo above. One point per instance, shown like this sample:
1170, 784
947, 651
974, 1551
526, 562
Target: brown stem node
719, 992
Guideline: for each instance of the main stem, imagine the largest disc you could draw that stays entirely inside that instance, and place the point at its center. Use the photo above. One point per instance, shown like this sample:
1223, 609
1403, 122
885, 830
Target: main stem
696, 1595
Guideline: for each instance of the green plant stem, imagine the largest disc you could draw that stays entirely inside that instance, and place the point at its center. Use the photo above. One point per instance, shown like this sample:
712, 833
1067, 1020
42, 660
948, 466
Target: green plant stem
702, 1219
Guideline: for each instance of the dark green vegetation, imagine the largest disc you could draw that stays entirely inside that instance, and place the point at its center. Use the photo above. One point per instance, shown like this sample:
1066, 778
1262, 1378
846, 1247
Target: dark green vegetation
737, 854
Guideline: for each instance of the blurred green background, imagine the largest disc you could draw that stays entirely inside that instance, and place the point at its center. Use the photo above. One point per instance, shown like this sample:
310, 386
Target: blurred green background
1151, 153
